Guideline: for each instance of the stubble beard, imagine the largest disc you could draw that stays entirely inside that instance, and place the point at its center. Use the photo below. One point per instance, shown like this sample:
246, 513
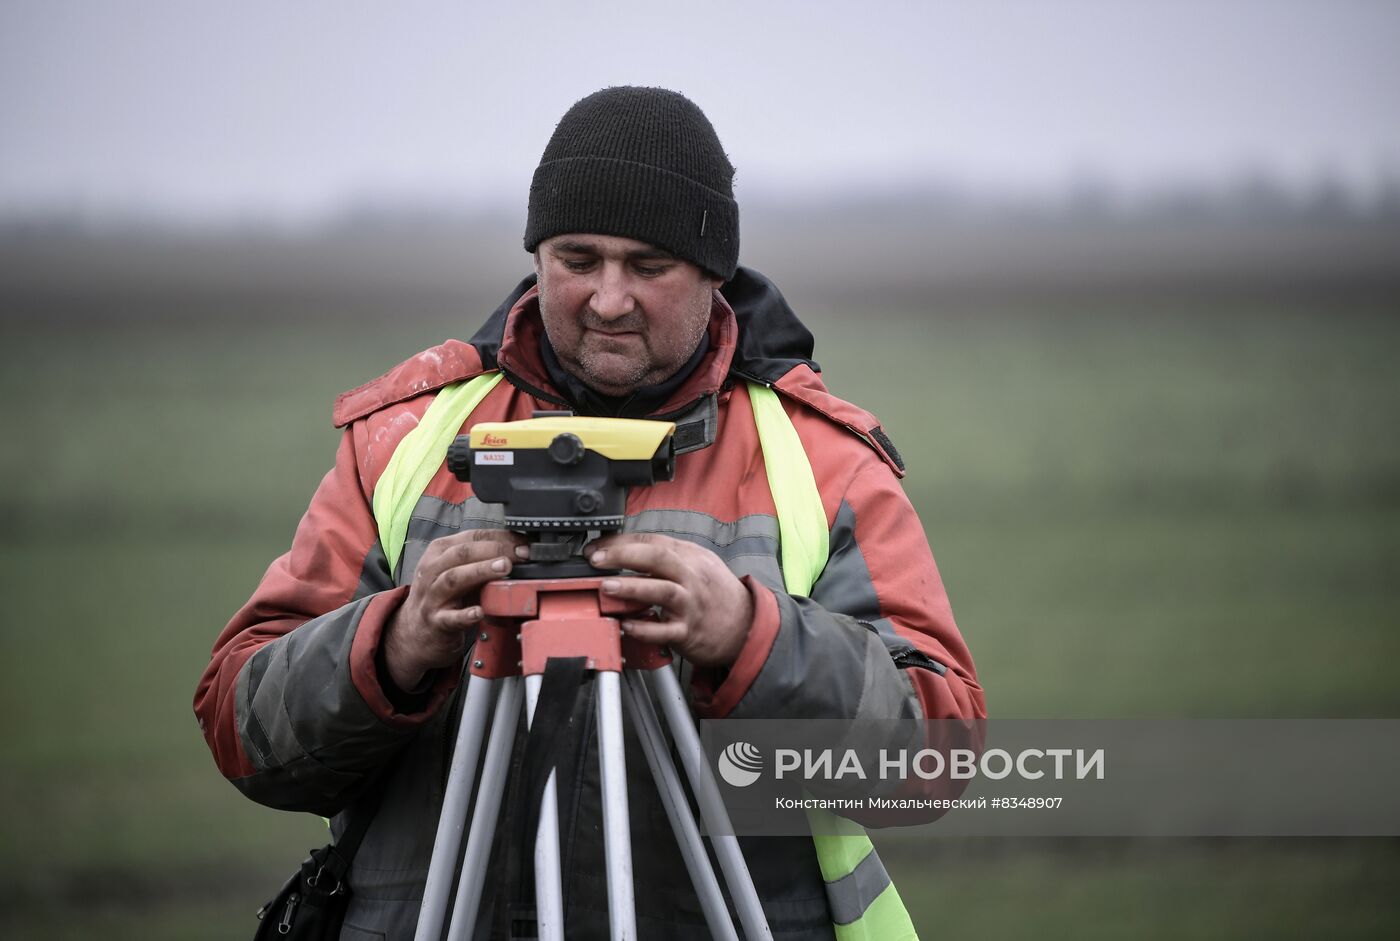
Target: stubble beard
600, 370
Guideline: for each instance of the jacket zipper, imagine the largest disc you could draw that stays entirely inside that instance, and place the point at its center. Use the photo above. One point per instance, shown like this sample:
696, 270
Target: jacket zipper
907, 657
528, 389
285, 925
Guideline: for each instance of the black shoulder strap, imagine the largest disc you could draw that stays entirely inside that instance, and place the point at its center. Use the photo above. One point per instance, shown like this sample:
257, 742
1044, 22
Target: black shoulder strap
366, 806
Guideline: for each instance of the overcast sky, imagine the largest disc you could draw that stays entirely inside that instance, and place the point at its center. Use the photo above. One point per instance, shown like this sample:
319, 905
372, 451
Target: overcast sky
296, 108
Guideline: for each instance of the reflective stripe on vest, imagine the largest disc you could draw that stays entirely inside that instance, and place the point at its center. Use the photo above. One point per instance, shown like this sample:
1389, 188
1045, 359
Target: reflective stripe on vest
865, 906
802, 535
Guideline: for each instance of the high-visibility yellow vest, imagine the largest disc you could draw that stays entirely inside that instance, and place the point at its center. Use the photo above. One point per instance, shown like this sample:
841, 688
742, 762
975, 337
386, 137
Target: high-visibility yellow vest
865, 905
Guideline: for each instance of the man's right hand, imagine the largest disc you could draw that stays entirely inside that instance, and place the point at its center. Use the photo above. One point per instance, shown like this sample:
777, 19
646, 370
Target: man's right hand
434, 626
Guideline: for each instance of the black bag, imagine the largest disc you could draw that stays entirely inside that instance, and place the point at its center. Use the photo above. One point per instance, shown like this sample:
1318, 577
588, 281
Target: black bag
312, 904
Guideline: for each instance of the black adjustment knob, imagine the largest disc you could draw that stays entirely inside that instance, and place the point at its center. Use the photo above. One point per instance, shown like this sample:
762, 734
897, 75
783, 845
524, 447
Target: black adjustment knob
459, 457
588, 501
566, 449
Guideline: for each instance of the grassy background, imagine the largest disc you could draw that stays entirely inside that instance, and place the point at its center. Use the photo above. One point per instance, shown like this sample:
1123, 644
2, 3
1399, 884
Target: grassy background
1144, 504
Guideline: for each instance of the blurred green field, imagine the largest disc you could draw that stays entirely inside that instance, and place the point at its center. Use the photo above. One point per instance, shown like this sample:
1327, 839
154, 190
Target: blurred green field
1183, 508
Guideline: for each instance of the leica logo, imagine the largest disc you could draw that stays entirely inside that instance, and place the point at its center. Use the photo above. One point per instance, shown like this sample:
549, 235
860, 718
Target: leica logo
493, 441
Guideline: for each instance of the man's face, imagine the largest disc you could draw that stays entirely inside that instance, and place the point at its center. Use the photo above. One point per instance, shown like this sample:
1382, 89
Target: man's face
619, 313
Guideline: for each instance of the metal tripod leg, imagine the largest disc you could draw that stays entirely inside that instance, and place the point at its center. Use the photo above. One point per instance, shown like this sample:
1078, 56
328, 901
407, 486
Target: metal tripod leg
668, 783
494, 771
436, 891
667, 690
549, 891
617, 833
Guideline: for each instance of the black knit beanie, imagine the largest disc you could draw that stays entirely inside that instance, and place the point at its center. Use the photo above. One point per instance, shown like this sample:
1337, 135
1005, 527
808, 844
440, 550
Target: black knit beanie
641, 163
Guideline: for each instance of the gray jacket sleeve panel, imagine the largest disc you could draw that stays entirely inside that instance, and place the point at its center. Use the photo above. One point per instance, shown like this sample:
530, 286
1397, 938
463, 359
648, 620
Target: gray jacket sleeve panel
826, 665
307, 727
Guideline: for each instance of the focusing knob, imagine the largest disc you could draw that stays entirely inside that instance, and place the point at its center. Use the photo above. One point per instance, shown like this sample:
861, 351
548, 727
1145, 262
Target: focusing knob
566, 449
587, 501
459, 457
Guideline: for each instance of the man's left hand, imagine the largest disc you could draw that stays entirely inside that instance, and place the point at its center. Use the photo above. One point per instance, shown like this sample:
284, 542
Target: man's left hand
705, 610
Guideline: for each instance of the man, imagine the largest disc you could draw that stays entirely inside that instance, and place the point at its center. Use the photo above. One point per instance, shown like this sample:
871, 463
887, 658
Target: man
344, 667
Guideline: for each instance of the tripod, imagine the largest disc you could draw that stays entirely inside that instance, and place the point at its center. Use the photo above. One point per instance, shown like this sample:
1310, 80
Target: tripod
528, 622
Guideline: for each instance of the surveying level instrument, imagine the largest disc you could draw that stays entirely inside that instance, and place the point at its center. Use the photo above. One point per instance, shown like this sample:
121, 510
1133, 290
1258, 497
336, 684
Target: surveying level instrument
561, 479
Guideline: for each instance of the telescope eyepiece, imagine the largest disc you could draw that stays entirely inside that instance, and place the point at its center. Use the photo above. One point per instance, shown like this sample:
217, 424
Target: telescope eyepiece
567, 449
